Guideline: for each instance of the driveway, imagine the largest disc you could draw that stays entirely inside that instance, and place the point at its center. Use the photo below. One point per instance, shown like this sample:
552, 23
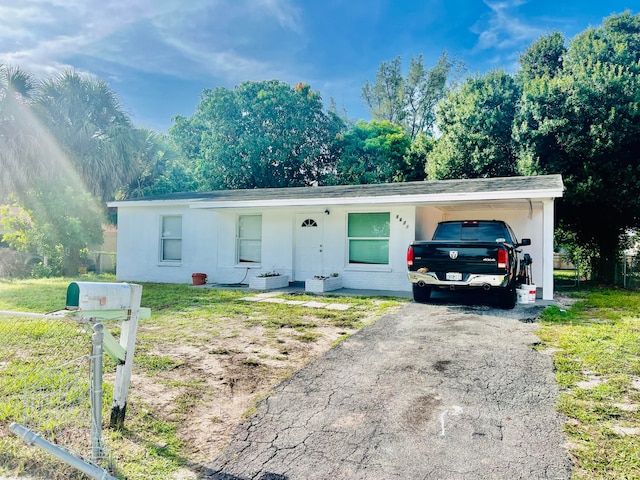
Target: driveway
434, 391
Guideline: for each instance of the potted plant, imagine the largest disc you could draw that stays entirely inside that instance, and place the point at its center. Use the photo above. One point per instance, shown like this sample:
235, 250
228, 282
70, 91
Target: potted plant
323, 283
268, 281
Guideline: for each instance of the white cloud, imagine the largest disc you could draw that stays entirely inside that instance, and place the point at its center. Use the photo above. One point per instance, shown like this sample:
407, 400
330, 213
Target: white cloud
220, 38
503, 29
287, 15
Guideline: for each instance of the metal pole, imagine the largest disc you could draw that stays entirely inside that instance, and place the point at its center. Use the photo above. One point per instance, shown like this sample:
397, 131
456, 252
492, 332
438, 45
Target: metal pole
96, 393
11, 313
32, 438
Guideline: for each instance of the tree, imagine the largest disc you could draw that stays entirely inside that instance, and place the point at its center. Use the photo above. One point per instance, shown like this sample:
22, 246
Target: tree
417, 156
160, 170
261, 134
90, 127
411, 101
55, 220
385, 98
22, 156
373, 152
424, 89
543, 57
476, 123
584, 123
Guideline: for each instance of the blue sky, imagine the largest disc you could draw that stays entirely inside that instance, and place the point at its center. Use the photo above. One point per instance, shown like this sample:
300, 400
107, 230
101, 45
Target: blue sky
158, 55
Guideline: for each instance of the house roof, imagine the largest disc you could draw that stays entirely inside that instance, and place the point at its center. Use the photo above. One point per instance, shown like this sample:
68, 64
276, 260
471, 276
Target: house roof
502, 188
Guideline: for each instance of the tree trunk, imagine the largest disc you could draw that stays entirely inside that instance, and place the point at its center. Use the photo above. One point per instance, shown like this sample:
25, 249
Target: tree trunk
608, 245
72, 262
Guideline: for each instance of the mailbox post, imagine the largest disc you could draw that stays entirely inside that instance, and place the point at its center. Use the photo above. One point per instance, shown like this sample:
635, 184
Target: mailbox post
96, 300
123, 371
112, 300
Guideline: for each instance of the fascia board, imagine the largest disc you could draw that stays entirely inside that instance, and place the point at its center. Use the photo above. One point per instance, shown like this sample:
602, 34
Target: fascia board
377, 200
151, 203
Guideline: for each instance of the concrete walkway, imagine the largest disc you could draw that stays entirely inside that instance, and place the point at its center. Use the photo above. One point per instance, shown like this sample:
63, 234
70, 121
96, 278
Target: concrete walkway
436, 391
275, 297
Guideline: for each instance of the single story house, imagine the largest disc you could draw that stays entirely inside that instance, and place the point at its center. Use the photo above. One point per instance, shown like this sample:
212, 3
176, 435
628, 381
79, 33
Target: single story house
360, 232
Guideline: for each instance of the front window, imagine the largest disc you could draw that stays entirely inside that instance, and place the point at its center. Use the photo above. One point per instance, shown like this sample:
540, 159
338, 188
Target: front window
171, 239
249, 238
369, 238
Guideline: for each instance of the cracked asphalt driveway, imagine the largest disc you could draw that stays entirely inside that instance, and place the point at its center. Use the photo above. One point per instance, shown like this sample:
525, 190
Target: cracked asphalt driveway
433, 391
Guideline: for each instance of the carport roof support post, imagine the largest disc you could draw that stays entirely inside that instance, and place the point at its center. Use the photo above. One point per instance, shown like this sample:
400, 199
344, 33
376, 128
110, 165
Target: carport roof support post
547, 249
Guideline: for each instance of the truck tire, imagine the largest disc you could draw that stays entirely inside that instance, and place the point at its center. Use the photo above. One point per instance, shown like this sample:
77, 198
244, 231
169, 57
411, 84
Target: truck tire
508, 298
421, 294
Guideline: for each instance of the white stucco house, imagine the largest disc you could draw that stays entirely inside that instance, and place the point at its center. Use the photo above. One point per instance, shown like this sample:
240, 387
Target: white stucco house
360, 232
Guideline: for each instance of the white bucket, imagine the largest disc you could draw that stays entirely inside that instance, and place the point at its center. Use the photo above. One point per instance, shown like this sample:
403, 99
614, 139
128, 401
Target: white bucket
532, 293
526, 294
523, 295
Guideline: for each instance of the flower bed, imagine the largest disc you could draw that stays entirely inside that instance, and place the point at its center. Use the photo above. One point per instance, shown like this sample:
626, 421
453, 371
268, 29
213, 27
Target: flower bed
269, 282
320, 283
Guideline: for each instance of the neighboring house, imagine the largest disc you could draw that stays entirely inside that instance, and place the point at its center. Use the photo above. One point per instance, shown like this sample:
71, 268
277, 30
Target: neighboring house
102, 258
360, 232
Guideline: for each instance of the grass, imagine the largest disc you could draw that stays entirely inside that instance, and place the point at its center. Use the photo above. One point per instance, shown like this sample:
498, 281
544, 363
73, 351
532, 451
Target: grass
597, 361
44, 362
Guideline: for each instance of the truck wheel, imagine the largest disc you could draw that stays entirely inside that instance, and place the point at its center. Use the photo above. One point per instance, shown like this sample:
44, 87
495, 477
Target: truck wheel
421, 294
508, 298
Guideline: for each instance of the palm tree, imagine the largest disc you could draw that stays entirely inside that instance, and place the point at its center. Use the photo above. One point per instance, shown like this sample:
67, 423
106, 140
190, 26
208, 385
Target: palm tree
85, 117
161, 169
22, 156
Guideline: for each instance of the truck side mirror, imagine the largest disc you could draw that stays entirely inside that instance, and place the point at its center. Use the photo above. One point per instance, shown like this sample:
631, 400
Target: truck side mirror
524, 242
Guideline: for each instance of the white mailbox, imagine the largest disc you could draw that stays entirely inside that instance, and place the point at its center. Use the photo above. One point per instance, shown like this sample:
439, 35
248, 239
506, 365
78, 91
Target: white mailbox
98, 296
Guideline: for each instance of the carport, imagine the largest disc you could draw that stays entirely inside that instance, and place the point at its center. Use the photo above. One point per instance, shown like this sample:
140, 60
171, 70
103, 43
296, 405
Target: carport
525, 203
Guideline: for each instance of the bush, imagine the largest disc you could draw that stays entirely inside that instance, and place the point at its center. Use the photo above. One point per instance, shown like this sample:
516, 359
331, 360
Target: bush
44, 271
12, 265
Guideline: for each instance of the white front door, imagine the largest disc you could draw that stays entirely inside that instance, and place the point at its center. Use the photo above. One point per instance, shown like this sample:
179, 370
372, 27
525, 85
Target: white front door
308, 246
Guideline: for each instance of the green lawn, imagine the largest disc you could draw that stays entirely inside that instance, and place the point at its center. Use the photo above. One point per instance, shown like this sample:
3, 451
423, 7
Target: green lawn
597, 363
202, 350
596, 341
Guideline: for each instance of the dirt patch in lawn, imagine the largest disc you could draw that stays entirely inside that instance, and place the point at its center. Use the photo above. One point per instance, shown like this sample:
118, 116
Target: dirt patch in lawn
212, 383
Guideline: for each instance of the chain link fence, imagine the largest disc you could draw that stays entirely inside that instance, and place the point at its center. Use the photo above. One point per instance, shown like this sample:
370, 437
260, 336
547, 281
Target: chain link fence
46, 387
627, 273
102, 262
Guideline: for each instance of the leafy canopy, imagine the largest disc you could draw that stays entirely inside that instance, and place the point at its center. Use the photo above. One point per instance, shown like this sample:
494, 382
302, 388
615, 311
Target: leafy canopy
260, 134
409, 102
90, 127
160, 168
373, 152
55, 221
584, 122
22, 155
476, 122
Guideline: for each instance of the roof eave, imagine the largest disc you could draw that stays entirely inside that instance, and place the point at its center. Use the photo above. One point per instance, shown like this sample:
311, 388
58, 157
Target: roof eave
151, 203
378, 200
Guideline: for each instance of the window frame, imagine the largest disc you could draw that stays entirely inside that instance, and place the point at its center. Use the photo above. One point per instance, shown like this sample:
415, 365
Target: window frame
240, 239
387, 239
161, 251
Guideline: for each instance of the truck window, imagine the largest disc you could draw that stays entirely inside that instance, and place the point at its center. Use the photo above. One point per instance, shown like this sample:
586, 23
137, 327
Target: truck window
472, 231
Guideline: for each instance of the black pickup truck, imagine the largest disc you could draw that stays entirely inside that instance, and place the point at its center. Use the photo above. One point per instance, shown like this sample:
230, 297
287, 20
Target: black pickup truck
472, 254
